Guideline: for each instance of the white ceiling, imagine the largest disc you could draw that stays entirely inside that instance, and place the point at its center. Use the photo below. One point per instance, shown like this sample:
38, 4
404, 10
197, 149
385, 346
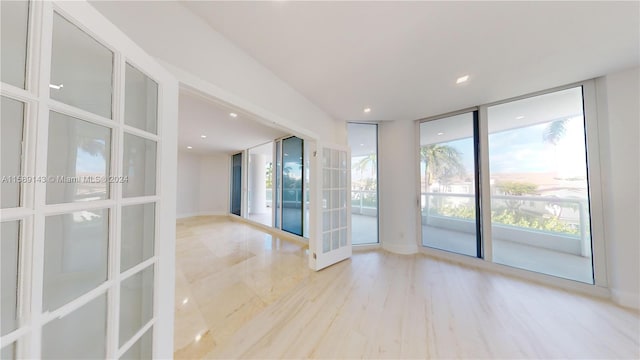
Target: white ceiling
198, 116
402, 58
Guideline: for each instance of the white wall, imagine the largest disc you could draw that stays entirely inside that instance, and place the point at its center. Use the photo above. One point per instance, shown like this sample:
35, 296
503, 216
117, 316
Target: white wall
189, 44
203, 184
619, 118
397, 186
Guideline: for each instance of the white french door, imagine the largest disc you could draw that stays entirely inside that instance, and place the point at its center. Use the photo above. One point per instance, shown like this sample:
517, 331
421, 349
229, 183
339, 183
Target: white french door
331, 236
89, 125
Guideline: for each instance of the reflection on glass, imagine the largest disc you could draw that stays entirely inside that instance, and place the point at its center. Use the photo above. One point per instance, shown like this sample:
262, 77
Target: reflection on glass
142, 349
448, 186
10, 235
260, 183
79, 335
363, 141
236, 185
138, 234
11, 128
75, 255
292, 170
136, 303
141, 100
139, 166
81, 69
13, 29
539, 189
78, 160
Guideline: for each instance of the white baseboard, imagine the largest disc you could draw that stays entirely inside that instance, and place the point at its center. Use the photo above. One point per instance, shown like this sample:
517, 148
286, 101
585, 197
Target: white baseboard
626, 299
202, 213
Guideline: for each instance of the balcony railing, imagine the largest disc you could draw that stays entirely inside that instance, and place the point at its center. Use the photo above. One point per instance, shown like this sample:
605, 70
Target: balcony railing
550, 222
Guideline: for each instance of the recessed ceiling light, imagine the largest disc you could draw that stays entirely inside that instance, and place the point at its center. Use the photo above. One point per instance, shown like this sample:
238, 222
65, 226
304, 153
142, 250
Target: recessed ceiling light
361, 144
233, 115
462, 79
189, 147
367, 110
203, 136
519, 117
440, 133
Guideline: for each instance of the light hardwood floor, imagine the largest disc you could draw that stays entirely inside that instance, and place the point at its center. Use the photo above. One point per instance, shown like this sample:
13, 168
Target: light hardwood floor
242, 293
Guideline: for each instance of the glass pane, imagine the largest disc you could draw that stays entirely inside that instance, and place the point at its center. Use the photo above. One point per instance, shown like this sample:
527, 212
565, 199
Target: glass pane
13, 28
142, 349
448, 186
9, 352
139, 166
10, 246
292, 170
363, 141
138, 234
81, 69
141, 100
78, 160
277, 221
136, 303
11, 128
539, 189
79, 335
75, 255
236, 185
260, 183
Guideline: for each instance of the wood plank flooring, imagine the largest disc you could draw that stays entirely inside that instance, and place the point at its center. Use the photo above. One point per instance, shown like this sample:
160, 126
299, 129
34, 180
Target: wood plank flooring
242, 293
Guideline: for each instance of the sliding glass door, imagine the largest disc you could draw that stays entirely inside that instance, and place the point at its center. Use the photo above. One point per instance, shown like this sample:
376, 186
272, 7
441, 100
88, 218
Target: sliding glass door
236, 184
536, 198
292, 198
448, 202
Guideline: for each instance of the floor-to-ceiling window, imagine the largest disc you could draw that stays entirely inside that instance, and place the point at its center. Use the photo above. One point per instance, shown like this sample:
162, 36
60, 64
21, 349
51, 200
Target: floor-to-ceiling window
236, 184
260, 175
363, 141
539, 186
448, 184
533, 194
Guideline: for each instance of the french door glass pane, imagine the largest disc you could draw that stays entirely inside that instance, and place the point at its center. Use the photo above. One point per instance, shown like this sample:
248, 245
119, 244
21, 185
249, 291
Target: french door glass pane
363, 141
236, 185
14, 29
79, 335
539, 187
138, 234
78, 159
448, 184
139, 166
75, 255
10, 247
11, 127
277, 221
292, 171
81, 69
141, 100
136, 303
8, 352
142, 349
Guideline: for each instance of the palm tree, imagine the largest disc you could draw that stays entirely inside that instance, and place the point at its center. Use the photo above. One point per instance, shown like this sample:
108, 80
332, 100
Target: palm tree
441, 162
555, 131
370, 161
